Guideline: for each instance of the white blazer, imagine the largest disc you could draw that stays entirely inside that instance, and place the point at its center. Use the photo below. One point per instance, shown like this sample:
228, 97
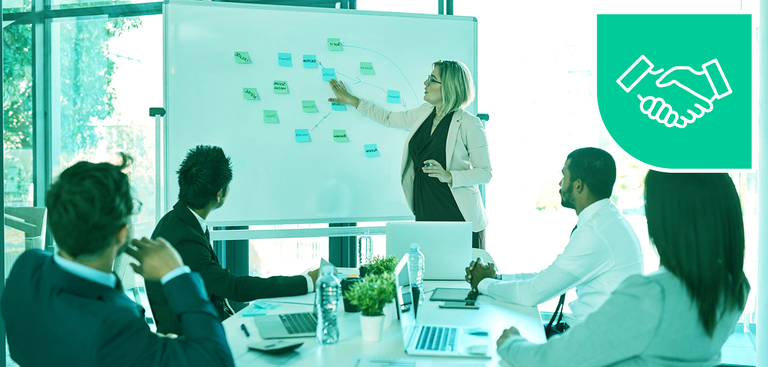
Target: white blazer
466, 153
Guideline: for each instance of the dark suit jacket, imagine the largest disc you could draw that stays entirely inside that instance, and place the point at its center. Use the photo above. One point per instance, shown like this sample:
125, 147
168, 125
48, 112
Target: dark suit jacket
182, 230
55, 318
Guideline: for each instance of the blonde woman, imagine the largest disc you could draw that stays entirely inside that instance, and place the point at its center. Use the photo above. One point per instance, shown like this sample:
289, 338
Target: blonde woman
446, 153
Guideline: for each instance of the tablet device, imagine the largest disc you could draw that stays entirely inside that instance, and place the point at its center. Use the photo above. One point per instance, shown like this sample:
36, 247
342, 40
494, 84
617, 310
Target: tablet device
453, 294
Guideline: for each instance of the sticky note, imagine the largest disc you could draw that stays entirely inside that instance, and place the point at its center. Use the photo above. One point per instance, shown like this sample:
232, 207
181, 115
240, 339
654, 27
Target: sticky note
270, 117
371, 150
284, 59
393, 96
334, 44
250, 93
310, 61
366, 68
302, 135
328, 74
241, 57
338, 106
250, 312
308, 106
340, 136
280, 87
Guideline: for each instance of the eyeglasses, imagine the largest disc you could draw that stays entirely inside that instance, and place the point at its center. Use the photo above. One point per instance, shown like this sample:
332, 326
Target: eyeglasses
431, 80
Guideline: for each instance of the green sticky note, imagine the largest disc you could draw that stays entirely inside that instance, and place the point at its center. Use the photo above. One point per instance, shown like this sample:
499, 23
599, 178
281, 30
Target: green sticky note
280, 87
270, 117
250, 93
334, 44
340, 136
308, 106
366, 68
241, 57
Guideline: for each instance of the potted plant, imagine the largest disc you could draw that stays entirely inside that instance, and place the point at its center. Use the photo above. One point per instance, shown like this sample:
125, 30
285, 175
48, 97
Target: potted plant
379, 265
371, 296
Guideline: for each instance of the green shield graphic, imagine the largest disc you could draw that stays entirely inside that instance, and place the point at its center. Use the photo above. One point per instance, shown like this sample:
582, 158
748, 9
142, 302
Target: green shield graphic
675, 91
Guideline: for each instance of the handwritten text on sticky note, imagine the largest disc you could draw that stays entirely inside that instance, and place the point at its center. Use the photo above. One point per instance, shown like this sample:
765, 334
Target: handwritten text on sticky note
241, 57
308, 106
334, 44
366, 68
250, 93
393, 96
328, 74
310, 61
338, 106
280, 87
270, 117
284, 59
302, 135
371, 150
340, 136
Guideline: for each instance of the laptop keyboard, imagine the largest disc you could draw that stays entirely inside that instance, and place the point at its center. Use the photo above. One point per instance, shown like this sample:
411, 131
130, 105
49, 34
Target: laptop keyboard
437, 338
299, 323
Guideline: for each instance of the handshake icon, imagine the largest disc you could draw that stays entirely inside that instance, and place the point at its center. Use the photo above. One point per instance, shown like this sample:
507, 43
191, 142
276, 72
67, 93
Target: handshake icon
702, 87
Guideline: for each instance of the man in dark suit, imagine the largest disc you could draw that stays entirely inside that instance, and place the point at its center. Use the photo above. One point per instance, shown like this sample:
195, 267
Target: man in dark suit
204, 178
68, 309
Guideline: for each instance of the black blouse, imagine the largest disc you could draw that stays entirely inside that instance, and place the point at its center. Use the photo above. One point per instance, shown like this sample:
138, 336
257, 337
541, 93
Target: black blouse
432, 199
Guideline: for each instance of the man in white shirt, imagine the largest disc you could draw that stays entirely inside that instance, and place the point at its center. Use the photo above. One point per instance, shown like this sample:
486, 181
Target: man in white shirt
602, 252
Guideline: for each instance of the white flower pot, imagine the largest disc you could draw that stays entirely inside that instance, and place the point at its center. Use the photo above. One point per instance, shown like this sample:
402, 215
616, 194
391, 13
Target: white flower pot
390, 314
371, 327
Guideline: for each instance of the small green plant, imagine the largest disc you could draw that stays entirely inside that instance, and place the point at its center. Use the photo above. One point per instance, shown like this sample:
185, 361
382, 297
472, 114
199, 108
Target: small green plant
372, 294
382, 265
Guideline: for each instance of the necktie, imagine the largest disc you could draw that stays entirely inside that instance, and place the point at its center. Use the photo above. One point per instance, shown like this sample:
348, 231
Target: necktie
207, 234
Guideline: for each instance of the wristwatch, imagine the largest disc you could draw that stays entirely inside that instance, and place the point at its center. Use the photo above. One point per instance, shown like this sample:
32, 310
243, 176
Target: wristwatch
498, 276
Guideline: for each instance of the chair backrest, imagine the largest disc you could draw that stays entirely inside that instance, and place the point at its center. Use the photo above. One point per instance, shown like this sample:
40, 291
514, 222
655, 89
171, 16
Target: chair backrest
32, 221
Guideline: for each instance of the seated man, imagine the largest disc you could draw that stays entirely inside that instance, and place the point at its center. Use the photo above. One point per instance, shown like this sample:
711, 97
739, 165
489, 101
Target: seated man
602, 252
68, 309
204, 178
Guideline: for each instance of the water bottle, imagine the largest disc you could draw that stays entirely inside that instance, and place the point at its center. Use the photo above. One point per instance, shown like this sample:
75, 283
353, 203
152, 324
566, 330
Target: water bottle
416, 273
328, 292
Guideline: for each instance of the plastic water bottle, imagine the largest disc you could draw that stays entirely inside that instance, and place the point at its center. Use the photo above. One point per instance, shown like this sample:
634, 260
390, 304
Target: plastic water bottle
416, 273
328, 292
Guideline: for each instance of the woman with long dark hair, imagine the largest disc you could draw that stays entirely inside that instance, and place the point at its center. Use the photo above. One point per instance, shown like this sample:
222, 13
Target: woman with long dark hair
679, 315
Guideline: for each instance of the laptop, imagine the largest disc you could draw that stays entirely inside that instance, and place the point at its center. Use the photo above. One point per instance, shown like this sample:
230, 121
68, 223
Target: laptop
287, 325
447, 246
434, 340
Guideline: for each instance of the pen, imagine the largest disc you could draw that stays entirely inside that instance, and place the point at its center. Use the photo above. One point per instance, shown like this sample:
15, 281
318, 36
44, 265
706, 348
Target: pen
242, 327
428, 164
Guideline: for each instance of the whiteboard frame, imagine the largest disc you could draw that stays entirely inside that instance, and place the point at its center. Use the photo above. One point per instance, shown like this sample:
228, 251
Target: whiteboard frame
162, 142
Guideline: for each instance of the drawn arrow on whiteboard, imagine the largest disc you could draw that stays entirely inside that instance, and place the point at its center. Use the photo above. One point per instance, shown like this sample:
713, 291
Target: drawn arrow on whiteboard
313, 129
393, 63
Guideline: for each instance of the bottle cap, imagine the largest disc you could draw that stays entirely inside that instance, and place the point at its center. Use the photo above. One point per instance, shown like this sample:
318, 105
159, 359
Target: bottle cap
327, 269
414, 246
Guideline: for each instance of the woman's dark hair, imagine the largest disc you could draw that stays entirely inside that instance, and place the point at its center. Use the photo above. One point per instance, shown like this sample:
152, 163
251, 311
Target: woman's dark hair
203, 173
695, 223
88, 205
596, 168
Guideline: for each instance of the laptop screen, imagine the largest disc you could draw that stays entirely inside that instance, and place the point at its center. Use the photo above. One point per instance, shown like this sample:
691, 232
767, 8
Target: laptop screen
447, 246
405, 309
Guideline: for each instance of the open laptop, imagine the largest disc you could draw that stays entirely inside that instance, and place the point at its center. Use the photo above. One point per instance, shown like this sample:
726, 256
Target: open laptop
434, 340
447, 246
287, 325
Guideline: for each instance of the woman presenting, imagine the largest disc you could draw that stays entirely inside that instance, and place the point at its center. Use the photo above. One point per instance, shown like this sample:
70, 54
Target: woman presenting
446, 153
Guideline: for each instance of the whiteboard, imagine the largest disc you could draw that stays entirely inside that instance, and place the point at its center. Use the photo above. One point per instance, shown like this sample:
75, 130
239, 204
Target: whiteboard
277, 179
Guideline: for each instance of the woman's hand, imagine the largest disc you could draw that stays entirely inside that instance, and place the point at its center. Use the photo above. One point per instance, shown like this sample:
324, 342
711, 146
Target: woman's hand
437, 171
505, 335
342, 96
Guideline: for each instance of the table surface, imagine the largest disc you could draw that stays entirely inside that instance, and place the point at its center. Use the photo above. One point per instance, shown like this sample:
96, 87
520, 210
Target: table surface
493, 315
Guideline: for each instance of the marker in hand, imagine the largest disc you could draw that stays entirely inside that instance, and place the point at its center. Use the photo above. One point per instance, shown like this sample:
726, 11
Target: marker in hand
428, 164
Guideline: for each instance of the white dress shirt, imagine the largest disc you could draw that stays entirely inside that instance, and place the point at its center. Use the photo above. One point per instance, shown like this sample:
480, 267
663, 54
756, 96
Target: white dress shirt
647, 321
602, 252
100, 277
204, 226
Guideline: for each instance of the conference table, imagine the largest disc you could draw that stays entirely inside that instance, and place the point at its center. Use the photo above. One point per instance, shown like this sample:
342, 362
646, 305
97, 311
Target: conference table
493, 315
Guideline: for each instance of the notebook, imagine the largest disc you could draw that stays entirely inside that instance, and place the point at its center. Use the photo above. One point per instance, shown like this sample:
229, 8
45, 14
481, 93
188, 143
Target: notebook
434, 340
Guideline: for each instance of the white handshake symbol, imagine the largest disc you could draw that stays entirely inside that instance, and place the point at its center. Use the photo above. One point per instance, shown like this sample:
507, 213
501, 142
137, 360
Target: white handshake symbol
657, 109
